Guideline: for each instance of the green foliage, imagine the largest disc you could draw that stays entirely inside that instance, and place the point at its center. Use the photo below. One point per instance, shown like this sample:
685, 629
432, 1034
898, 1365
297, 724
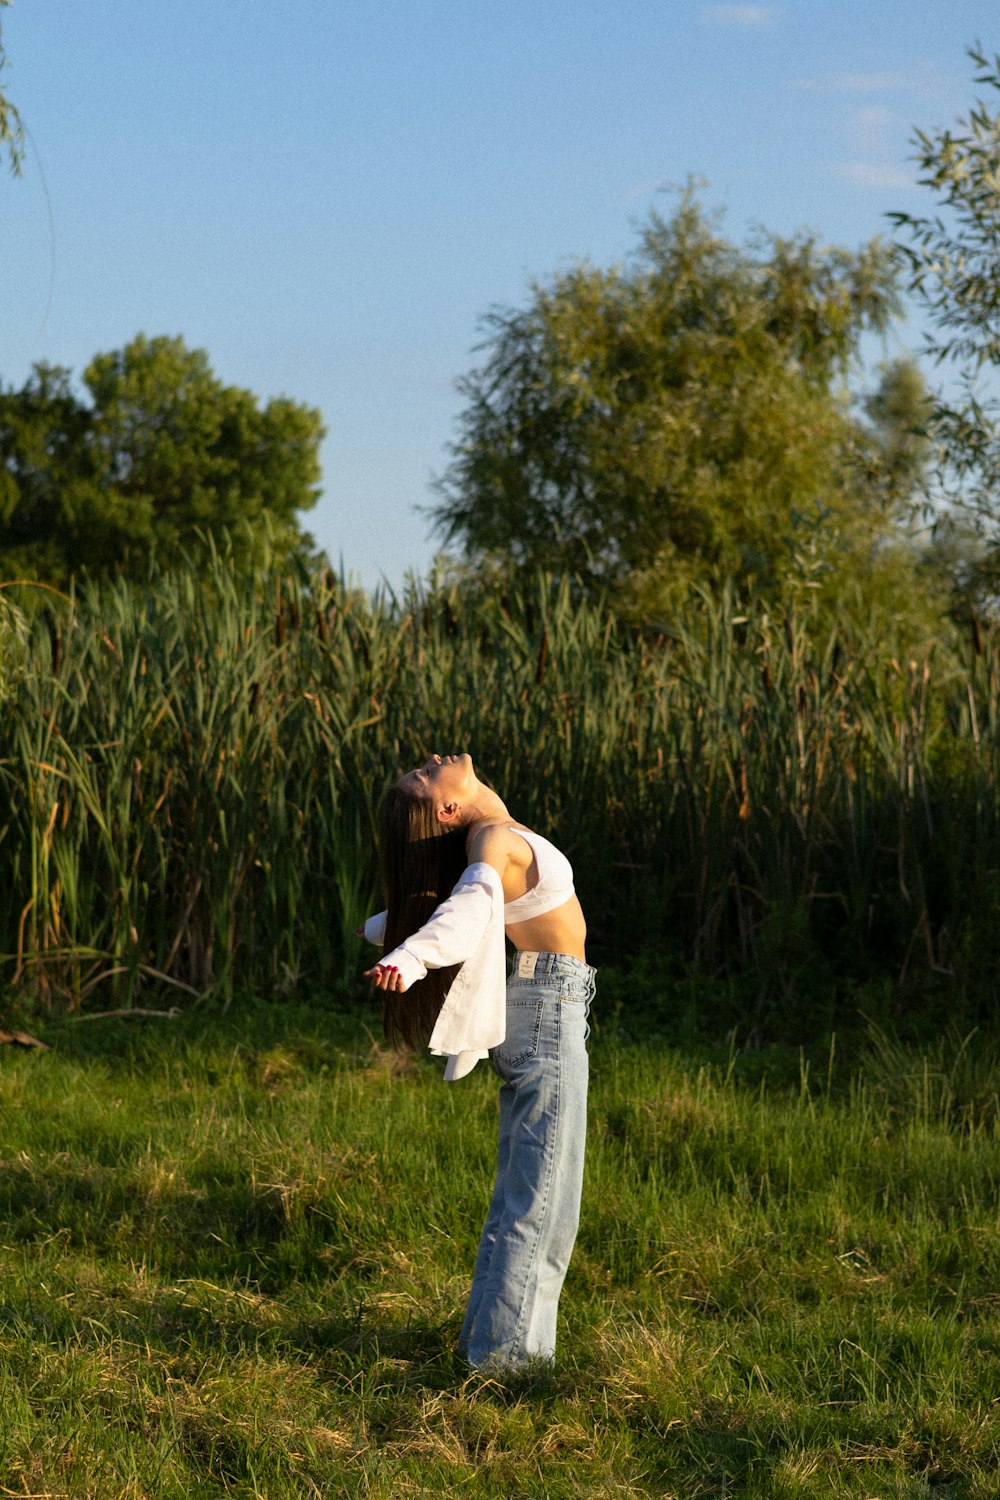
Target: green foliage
955, 1078
188, 776
13, 641
680, 418
11, 128
900, 410
236, 1252
952, 259
161, 456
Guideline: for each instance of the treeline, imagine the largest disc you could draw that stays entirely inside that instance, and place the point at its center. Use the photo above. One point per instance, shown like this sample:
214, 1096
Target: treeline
157, 455
189, 774
699, 415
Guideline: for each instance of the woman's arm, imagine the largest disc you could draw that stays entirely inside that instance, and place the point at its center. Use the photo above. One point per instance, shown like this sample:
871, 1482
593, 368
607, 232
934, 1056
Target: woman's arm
454, 929
451, 934
373, 929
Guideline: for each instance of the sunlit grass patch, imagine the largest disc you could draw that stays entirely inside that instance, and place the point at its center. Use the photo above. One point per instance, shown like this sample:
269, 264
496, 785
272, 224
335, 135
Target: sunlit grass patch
234, 1257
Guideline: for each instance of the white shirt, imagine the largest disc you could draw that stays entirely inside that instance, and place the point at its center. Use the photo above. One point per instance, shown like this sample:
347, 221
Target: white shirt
466, 929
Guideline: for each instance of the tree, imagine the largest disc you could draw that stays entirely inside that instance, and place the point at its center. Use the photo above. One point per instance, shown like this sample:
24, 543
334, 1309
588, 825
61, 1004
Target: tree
952, 261
11, 128
163, 455
899, 411
677, 418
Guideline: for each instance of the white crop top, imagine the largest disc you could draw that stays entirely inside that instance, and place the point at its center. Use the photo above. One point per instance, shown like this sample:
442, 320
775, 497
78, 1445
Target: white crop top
553, 888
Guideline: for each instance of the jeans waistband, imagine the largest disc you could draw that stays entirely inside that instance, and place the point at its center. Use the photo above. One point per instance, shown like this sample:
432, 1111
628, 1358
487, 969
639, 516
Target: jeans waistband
540, 965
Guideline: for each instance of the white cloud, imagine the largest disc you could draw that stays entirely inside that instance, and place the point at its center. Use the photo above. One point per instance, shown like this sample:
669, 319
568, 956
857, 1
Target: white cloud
875, 174
925, 79
739, 15
870, 130
643, 189
872, 117
857, 83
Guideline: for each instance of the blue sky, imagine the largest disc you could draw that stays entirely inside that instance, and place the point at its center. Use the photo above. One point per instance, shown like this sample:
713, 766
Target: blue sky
327, 195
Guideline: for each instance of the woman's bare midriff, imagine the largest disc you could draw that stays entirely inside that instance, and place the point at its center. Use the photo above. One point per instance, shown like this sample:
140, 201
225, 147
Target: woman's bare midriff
560, 931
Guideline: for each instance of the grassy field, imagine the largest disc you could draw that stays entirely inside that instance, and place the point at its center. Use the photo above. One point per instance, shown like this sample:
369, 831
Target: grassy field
235, 1250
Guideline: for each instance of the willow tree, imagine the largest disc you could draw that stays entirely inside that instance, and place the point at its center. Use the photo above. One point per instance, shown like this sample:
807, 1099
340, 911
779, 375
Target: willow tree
952, 260
11, 128
683, 417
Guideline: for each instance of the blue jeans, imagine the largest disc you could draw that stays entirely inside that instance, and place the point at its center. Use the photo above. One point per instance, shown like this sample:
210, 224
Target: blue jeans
528, 1236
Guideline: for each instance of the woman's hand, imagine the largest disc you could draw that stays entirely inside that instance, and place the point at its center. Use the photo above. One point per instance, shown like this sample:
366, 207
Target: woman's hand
386, 977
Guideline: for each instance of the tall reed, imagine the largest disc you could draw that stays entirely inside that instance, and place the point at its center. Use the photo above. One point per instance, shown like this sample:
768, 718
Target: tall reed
189, 772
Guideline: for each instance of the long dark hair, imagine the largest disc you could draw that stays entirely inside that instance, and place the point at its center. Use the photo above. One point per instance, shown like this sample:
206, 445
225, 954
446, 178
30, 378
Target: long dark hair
421, 861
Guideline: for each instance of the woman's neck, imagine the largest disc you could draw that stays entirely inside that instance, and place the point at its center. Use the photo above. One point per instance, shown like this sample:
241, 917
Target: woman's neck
484, 807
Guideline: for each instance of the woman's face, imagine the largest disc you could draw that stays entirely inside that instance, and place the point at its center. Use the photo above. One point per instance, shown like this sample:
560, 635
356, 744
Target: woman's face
443, 778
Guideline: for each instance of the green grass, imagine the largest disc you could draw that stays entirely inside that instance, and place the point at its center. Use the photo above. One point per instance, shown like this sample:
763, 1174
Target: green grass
234, 1252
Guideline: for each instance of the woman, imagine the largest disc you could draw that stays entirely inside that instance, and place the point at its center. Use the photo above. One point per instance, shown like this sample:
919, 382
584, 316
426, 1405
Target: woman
459, 873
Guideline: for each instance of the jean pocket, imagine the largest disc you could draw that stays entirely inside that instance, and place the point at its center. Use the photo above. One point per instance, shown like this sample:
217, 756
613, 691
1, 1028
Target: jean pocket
524, 1026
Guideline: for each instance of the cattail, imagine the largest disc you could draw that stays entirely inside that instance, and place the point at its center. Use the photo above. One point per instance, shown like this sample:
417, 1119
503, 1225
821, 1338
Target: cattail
543, 656
55, 641
744, 812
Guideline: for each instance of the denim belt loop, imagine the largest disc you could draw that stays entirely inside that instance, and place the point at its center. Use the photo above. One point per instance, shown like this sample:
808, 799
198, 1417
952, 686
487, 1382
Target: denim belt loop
528, 965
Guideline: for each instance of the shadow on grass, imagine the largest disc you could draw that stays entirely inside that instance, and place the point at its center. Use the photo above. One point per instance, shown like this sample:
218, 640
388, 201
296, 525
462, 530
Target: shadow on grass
185, 1335
198, 1317
219, 1225
346, 1021
731, 1453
